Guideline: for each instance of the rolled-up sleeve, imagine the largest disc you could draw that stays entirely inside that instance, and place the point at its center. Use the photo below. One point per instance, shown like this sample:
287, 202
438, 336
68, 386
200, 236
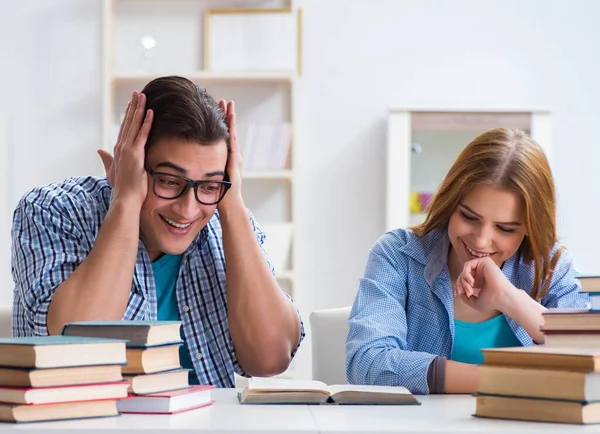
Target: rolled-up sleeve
565, 289
46, 248
376, 347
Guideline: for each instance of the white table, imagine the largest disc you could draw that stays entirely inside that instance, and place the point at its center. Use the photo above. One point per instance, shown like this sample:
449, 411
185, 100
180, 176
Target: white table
436, 414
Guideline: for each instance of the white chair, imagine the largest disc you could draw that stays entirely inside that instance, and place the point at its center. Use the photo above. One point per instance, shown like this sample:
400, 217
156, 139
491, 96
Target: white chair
5, 321
329, 329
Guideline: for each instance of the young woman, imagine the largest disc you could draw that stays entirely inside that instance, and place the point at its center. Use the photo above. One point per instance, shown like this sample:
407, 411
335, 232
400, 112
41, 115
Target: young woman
477, 273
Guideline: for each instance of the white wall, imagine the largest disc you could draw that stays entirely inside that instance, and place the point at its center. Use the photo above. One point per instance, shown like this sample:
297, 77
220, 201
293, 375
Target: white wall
361, 57
51, 92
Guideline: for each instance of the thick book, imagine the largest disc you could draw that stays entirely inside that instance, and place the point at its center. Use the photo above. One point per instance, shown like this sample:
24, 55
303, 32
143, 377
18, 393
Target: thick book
589, 283
544, 357
279, 391
149, 360
539, 383
48, 395
61, 351
27, 377
62, 411
171, 402
136, 333
572, 338
570, 319
158, 382
538, 410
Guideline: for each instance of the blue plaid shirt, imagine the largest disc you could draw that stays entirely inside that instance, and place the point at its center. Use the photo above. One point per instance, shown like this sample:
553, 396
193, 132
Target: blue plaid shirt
403, 315
54, 229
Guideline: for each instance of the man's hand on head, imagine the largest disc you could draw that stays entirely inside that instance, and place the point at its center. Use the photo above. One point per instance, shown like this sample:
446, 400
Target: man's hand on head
233, 198
125, 171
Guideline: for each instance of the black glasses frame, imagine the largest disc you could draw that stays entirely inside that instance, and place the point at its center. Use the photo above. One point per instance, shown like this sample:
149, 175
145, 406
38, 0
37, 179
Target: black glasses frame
190, 183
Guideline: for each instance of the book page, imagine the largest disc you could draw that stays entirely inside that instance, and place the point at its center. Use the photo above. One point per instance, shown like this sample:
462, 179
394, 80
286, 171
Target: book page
263, 384
397, 390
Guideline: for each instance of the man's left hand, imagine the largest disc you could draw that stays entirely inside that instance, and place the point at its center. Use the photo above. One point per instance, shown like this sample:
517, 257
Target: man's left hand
233, 198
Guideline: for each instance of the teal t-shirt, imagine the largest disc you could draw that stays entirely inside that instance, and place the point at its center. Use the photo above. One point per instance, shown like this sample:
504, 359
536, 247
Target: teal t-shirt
166, 271
471, 337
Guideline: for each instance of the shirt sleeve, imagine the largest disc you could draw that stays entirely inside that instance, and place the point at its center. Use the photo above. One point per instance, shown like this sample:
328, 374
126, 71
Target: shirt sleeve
376, 347
564, 290
46, 248
261, 237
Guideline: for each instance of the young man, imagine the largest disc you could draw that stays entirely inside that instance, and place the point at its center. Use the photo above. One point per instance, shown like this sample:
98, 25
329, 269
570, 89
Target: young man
145, 243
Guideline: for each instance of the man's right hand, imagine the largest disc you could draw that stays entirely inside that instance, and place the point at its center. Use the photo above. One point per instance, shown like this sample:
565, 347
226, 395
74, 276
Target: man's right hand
125, 171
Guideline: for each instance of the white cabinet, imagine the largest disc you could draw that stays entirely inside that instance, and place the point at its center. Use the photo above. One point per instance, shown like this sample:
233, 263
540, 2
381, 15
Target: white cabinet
423, 143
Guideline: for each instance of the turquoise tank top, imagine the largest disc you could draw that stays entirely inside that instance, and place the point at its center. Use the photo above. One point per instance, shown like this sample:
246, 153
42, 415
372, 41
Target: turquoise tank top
471, 337
166, 271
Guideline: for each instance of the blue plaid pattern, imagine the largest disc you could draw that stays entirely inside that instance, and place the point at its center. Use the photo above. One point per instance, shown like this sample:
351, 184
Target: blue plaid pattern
403, 315
54, 229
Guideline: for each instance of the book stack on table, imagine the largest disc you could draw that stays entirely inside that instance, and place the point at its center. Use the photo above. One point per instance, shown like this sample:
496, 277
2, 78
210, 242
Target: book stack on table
555, 382
158, 382
59, 377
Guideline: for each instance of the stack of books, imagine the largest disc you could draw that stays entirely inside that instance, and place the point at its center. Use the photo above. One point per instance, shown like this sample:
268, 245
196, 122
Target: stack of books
57, 377
540, 383
158, 384
555, 382
576, 328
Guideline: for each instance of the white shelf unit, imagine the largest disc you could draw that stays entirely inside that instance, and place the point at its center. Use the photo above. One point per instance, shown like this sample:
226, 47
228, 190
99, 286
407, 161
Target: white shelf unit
440, 134
261, 96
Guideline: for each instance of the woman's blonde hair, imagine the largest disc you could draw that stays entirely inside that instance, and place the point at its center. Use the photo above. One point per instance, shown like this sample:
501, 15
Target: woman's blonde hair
510, 160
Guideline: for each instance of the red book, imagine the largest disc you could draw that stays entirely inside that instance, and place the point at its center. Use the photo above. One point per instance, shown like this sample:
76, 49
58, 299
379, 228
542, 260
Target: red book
175, 401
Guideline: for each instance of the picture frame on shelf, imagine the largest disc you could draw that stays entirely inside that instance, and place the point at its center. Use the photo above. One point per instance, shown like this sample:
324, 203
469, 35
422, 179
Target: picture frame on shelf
250, 40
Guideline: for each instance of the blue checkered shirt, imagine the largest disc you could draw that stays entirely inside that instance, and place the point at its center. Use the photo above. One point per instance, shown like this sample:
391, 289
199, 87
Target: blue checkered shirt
403, 315
54, 229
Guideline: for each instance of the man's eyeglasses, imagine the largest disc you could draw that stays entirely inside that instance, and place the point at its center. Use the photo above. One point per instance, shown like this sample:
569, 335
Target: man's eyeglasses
168, 186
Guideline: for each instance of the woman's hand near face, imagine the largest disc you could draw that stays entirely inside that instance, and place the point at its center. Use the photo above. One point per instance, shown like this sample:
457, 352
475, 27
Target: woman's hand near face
482, 286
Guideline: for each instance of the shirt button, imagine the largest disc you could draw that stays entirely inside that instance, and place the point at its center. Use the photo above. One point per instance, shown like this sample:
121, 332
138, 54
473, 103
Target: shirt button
199, 356
186, 308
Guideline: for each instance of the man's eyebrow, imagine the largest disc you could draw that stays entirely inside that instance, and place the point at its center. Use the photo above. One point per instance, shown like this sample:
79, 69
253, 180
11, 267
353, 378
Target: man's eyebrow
183, 171
498, 223
171, 166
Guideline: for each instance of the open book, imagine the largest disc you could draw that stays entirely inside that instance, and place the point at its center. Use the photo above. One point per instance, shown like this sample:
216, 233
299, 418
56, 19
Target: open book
278, 391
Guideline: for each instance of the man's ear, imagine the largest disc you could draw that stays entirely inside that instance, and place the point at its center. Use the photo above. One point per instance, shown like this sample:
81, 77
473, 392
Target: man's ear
107, 161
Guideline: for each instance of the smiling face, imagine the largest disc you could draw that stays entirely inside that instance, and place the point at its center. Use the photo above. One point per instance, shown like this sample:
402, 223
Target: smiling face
488, 222
170, 226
